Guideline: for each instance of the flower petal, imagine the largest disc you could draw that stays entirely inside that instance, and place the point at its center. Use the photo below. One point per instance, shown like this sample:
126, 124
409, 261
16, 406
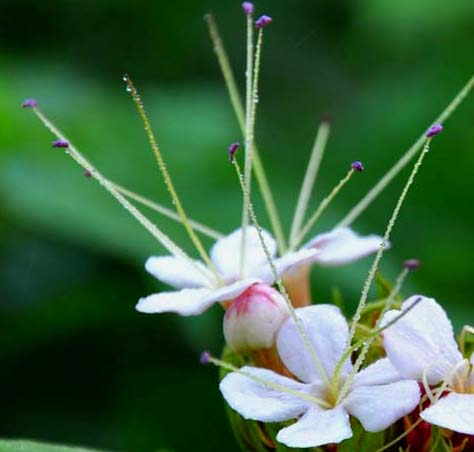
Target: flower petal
283, 264
381, 372
316, 428
378, 407
342, 246
454, 412
184, 302
178, 272
422, 340
255, 400
191, 301
327, 330
225, 254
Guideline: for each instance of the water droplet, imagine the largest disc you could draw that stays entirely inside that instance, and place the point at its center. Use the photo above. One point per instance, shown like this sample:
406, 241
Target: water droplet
129, 89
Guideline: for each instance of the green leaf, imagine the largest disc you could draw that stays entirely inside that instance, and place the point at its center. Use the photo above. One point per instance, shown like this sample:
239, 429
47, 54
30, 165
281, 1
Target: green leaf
33, 446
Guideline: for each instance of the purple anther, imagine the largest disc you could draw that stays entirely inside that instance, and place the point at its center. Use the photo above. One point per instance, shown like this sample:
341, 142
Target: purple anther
232, 150
29, 103
357, 166
248, 7
60, 143
411, 264
434, 130
205, 358
263, 21
87, 173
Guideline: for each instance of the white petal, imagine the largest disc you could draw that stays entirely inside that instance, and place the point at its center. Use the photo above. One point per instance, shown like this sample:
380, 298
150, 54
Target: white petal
454, 412
185, 302
378, 407
191, 301
381, 372
283, 264
342, 246
316, 428
225, 254
233, 290
255, 400
178, 272
421, 340
327, 330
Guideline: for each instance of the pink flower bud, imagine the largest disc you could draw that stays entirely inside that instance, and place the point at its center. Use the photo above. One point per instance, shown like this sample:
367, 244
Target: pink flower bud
253, 319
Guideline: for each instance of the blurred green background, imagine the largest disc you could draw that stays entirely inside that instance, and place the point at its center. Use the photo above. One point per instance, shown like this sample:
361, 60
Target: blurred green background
78, 364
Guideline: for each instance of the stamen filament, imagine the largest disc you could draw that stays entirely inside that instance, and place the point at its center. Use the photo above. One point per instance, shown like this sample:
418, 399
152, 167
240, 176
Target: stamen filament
404, 160
249, 133
167, 178
298, 394
321, 208
365, 348
202, 228
386, 237
301, 330
309, 179
374, 333
162, 238
237, 105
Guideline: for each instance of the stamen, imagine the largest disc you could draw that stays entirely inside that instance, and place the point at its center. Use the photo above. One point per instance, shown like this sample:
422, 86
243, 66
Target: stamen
321, 208
29, 103
232, 150
363, 353
411, 264
249, 130
263, 21
162, 238
248, 7
279, 283
281, 388
199, 227
60, 143
309, 179
358, 166
87, 173
434, 130
237, 105
205, 358
167, 178
386, 237
404, 160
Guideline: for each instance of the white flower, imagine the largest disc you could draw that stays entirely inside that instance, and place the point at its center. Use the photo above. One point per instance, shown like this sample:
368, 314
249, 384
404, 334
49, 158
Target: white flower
200, 289
422, 345
377, 396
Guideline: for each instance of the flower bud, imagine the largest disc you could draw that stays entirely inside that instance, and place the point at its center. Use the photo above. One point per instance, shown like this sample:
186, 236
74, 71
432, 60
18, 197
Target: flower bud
253, 319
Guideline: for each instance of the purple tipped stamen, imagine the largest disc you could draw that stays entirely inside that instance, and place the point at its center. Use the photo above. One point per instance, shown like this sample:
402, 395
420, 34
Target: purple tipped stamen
60, 143
248, 8
263, 21
205, 358
232, 150
434, 130
411, 264
357, 166
87, 173
29, 103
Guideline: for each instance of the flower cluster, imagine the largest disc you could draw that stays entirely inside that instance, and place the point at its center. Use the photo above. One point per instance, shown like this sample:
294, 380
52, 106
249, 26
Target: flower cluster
303, 365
